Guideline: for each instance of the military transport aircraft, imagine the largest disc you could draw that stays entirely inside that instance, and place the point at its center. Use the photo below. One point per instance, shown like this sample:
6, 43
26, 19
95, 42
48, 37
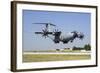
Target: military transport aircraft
58, 36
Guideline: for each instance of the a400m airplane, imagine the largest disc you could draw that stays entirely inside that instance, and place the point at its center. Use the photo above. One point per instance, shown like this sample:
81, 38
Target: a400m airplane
58, 36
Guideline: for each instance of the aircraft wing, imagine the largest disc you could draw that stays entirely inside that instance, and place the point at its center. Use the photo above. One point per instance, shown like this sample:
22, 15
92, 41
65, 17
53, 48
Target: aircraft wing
38, 32
50, 33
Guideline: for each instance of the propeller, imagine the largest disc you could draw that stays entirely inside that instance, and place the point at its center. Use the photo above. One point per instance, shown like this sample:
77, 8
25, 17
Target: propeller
45, 31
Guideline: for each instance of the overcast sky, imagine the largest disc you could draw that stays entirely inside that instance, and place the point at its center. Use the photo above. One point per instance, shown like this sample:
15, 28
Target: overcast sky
65, 21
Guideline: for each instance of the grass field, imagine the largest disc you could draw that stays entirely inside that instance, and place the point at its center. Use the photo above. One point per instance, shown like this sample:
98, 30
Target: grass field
53, 57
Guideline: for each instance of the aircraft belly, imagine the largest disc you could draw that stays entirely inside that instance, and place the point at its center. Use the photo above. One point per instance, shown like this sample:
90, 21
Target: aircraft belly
66, 38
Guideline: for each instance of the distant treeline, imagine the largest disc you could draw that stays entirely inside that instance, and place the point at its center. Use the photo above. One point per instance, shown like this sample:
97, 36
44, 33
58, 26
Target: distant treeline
86, 47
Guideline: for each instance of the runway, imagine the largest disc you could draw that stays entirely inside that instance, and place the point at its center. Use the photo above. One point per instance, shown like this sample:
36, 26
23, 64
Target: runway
69, 53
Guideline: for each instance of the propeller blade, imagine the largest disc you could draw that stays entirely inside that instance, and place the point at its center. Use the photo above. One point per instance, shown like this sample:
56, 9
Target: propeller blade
56, 30
44, 36
43, 30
